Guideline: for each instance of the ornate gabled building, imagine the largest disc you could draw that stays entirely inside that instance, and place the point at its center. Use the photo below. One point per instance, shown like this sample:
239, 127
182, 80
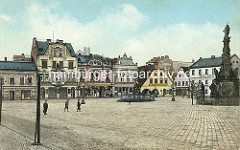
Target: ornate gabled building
57, 65
95, 75
123, 69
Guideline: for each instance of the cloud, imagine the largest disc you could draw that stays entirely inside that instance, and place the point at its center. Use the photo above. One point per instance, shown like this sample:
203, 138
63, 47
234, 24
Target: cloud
181, 42
126, 29
4, 17
107, 33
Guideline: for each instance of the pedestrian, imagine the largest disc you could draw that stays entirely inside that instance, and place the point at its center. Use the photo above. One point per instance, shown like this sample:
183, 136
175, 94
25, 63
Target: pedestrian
45, 107
66, 105
78, 105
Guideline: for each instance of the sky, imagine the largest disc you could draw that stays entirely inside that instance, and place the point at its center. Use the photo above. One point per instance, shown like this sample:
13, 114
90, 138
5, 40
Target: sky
182, 29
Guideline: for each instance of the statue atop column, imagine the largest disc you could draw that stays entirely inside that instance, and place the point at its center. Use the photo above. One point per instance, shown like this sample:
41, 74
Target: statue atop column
225, 86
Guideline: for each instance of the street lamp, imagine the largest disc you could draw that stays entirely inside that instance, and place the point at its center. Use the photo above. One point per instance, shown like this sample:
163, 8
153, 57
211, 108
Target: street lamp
37, 127
173, 97
1, 98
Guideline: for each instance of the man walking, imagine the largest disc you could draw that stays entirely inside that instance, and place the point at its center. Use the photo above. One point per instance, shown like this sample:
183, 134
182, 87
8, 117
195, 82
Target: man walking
45, 107
78, 105
66, 105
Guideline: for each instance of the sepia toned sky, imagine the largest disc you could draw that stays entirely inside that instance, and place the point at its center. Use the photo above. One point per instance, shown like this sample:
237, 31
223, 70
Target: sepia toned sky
182, 29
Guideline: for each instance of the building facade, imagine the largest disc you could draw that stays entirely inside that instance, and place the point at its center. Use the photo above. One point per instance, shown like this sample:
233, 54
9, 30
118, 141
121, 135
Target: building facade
123, 69
159, 82
57, 65
95, 75
19, 80
182, 82
202, 71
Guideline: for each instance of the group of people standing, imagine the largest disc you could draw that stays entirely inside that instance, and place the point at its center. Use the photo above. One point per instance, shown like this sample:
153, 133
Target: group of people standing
45, 106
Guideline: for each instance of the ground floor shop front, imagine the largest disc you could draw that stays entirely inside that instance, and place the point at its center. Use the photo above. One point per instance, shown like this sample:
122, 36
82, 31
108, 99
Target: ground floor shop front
182, 91
19, 92
81, 90
157, 90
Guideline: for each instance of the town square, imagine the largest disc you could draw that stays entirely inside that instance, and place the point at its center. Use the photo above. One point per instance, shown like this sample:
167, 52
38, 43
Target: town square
119, 74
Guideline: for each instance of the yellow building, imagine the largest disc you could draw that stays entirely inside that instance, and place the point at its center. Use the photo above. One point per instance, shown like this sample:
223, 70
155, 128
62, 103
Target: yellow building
57, 65
159, 82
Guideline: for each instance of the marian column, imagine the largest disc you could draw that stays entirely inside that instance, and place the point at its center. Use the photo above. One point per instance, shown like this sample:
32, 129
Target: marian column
227, 82
226, 70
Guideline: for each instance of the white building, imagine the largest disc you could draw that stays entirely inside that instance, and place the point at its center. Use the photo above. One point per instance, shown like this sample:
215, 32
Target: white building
202, 71
182, 81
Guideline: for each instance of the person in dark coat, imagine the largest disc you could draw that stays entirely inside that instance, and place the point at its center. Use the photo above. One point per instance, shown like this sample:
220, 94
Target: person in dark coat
45, 107
78, 105
66, 105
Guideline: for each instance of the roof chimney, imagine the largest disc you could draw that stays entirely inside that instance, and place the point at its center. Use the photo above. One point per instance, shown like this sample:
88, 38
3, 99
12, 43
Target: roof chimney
48, 41
213, 56
5, 58
61, 41
34, 41
193, 61
23, 54
200, 58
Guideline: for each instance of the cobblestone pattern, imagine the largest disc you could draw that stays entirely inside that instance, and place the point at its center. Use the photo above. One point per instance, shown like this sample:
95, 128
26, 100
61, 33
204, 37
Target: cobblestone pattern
107, 124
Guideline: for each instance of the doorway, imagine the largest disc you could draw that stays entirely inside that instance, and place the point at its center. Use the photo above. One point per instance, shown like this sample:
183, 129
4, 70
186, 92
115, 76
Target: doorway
11, 95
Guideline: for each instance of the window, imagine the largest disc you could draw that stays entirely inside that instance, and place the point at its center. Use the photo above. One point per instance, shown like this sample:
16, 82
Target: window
29, 80
206, 82
22, 80
41, 77
61, 65
200, 72
180, 75
179, 83
166, 81
55, 53
156, 81
193, 72
2, 79
46, 77
151, 81
233, 61
237, 62
115, 77
122, 77
186, 83
60, 53
182, 83
70, 65
161, 74
206, 91
200, 81
54, 66
12, 81
206, 71
44, 64
128, 78
175, 83
161, 81
155, 74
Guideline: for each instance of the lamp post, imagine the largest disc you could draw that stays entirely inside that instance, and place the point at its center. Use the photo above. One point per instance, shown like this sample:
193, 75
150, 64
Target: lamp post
1, 98
173, 97
37, 128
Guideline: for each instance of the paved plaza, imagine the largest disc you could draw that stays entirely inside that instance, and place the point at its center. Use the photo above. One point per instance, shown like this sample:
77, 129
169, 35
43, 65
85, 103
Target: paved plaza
107, 124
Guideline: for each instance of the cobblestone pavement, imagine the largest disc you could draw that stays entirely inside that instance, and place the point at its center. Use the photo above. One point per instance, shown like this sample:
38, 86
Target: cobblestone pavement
107, 124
